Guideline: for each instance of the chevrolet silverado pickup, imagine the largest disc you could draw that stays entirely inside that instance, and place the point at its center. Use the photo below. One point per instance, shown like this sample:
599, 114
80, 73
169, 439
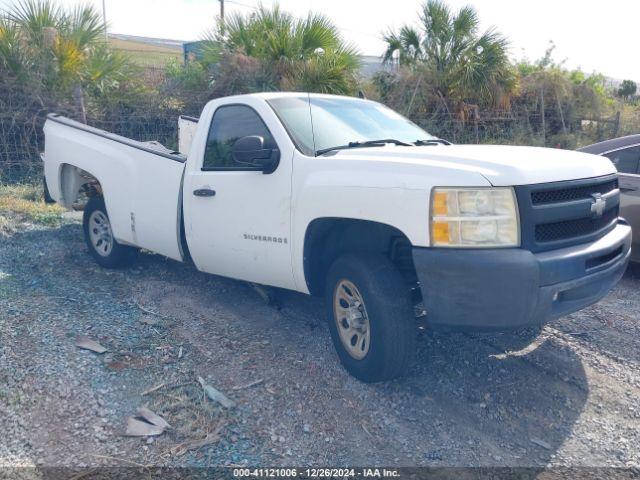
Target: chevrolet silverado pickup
343, 197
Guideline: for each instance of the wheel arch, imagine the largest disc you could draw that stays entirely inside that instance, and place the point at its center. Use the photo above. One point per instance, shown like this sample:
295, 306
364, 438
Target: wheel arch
327, 238
73, 181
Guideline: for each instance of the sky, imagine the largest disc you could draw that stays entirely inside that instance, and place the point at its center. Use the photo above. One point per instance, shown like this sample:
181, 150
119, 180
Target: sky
591, 34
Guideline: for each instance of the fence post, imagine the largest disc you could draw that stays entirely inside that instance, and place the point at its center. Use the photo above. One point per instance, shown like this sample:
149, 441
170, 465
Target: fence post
599, 135
476, 116
530, 131
413, 96
616, 124
78, 96
564, 126
544, 127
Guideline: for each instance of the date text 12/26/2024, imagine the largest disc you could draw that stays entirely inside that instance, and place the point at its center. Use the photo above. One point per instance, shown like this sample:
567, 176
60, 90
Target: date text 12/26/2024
315, 472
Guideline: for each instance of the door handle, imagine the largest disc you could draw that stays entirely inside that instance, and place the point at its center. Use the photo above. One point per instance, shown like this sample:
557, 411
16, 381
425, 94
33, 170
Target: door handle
204, 192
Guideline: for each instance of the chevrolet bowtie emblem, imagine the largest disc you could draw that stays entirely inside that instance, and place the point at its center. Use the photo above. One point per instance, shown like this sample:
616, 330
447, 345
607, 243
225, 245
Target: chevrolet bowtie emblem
597, 207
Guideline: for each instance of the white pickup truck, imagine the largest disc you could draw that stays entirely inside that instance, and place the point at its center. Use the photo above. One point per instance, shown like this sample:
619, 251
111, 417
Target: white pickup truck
343, 197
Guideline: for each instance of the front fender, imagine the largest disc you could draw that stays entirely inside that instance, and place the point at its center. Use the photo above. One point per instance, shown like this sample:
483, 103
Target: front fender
404, 210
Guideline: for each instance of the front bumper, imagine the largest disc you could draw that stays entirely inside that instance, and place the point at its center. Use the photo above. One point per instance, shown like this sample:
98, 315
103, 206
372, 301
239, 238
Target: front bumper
503, 289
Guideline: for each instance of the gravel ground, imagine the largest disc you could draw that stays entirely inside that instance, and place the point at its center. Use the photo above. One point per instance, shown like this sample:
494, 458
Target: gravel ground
569, 397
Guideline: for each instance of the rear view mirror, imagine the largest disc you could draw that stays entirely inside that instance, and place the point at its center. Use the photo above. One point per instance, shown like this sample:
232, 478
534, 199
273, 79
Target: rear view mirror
250, 151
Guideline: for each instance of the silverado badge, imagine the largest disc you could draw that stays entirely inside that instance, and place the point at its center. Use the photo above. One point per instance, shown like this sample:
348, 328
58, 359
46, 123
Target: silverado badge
597, 207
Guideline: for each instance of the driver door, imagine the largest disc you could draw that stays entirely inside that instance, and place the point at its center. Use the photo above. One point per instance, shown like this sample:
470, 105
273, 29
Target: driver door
237, 218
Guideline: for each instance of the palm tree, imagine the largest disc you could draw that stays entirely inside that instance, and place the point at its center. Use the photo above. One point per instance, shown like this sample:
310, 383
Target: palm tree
464, 64
307, 54
59, 50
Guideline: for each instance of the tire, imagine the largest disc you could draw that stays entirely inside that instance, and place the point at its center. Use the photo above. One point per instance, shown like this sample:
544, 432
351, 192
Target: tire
386, 304
47, 195
104, 249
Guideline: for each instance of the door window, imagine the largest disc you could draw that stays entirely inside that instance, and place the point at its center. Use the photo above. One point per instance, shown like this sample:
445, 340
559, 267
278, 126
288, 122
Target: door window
625, 160
230, 123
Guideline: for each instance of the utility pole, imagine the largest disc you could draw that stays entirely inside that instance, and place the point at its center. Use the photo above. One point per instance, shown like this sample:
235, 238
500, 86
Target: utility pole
104, 19
221, 15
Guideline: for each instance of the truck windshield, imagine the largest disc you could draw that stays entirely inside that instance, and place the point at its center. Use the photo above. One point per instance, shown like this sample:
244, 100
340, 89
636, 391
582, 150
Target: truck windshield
318, 124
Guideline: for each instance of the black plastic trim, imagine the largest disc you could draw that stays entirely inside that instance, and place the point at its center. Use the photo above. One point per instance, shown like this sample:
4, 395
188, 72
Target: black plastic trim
503, 289
231, 169
189, 119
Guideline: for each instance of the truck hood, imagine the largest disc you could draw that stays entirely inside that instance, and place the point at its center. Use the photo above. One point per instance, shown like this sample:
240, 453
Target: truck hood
501, 165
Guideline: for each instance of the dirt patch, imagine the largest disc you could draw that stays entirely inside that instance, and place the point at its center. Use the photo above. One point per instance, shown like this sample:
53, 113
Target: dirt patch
568, 397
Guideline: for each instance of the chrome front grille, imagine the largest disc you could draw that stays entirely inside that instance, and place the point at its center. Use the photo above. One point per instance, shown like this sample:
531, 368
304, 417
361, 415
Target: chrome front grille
560, 214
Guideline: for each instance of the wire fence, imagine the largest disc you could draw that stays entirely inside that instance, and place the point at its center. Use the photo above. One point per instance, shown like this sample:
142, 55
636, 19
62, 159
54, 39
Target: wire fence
22, 142
22, 116
520, 127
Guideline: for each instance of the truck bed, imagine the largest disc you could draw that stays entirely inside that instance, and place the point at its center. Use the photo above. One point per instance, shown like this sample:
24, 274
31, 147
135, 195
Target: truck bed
150, 146
141, 181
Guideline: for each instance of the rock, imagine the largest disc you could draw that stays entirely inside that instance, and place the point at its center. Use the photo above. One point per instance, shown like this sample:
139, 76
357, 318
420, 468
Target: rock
216, 395
540, 443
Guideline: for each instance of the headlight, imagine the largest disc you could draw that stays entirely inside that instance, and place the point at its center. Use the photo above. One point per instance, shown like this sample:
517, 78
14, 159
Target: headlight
474, 218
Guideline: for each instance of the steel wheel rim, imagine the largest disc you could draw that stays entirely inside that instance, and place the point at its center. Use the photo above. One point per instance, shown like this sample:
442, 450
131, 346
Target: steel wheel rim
351, 319
100, 233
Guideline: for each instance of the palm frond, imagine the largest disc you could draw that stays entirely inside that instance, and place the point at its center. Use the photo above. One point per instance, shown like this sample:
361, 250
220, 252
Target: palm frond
103, 62
34, 16
465, 23
84, 26
14, 54
394, 44
69, 61
411, 45
328, 73
212, 50
55, 48
239, 35
407, 42
316, 32
460, 63
290, 48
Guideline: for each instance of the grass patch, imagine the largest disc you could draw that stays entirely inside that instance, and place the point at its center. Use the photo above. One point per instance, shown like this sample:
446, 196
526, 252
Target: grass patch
25, 203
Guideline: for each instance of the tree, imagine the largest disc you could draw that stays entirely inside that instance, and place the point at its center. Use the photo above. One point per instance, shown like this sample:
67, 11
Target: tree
465, 65
302, 54
628, 89
561, 97
57, 50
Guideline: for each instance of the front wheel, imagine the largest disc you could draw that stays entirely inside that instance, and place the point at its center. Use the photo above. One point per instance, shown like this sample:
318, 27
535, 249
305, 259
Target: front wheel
98, 235
370, 317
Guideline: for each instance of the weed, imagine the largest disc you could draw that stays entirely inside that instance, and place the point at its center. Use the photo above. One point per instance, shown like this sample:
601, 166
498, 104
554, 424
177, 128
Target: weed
25, 203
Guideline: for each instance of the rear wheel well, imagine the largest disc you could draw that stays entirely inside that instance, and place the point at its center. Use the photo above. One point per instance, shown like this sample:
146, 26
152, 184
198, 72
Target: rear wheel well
326, 239
76, 183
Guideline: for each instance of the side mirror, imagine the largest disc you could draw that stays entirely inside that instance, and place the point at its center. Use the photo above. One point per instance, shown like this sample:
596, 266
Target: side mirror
250, 151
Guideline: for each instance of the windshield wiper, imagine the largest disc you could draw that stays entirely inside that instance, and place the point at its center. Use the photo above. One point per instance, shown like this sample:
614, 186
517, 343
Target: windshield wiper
368, 143
431, 141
